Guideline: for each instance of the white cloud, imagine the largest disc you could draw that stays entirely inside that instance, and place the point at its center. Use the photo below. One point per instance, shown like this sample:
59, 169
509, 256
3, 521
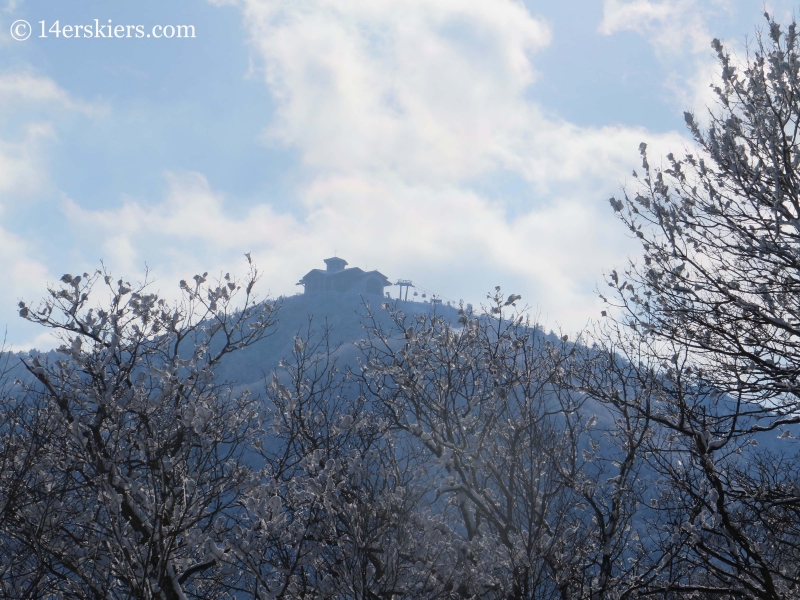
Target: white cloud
23, 176
23, 151
11, 5
678, 31
422, 89
24, 276
20, 268
449, 239
25, 179
422, 92
399, 110
398, 106
189, 229
22, 88
671, 26
23, 172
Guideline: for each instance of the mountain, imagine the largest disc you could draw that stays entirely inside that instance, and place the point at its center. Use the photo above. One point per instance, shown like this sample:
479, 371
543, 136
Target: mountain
307, 315
303, 315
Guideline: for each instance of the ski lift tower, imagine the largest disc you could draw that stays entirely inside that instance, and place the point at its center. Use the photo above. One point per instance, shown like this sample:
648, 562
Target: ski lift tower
404, 283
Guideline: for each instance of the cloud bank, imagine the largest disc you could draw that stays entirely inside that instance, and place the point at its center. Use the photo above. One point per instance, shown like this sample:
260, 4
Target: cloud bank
418, 152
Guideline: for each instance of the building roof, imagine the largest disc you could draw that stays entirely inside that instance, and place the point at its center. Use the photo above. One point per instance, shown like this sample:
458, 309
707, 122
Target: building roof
336, 269
335, 263
351, 272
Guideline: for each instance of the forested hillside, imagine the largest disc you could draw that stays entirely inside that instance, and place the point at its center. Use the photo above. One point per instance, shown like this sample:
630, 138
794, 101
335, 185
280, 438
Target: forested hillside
342, 316
223, 446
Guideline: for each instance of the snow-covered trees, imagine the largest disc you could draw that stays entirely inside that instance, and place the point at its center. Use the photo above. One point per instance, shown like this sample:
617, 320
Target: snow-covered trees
538, 489
654, 457
456, 461
129, 471
471, 405
714, 313
338, 514
123, 460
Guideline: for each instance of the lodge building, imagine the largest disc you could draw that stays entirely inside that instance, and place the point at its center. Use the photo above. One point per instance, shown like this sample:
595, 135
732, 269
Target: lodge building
338, 278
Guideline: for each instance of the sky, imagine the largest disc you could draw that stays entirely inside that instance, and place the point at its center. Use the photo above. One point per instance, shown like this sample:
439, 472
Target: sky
461, 144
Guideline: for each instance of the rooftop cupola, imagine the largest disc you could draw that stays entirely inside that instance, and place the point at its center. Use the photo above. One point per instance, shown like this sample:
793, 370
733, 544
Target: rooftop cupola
334, 265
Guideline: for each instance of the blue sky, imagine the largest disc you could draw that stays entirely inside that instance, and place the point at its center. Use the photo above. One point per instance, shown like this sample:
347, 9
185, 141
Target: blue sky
462, 144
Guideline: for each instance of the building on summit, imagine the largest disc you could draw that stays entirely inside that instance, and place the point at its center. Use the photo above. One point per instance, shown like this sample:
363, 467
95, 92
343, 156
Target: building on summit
337, 278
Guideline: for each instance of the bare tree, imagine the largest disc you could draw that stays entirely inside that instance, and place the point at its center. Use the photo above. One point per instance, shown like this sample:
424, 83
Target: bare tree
537, 490
340, 513
485, 459
714, 309
124, 460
